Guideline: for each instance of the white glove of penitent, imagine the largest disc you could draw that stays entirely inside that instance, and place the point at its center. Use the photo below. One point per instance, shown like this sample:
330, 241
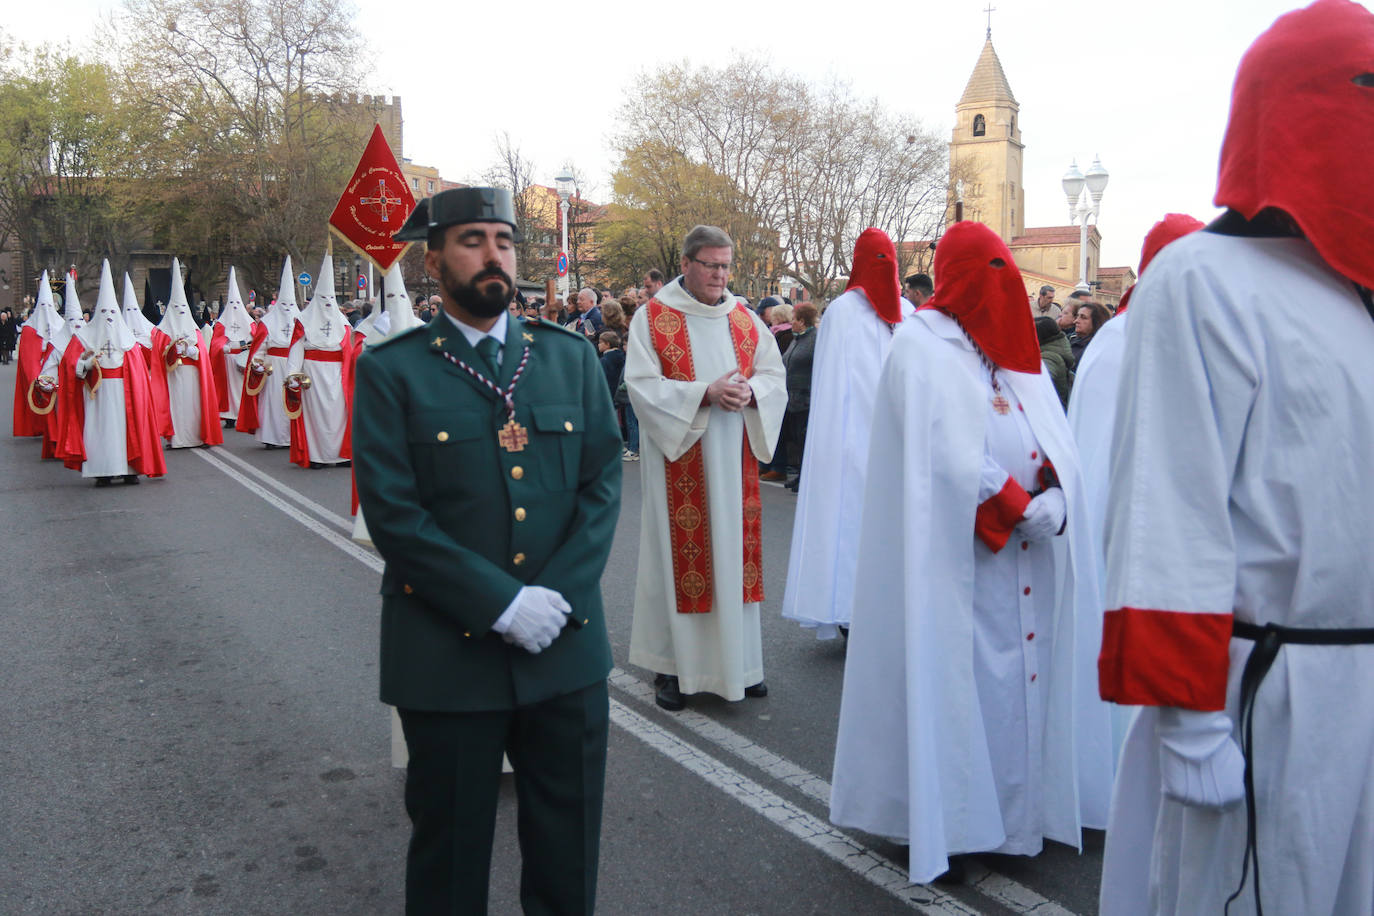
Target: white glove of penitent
1044, 516
539, 614
1199, 762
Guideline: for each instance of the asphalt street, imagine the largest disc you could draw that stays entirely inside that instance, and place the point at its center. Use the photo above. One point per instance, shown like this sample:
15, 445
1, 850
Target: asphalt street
190, 723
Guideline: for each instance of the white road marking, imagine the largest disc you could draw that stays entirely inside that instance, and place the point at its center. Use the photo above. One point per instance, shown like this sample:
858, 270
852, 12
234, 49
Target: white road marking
1016, 897
345, 523
850, 853
810, 830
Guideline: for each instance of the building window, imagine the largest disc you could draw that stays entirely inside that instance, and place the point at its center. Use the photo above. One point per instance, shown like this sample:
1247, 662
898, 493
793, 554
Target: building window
415, 185
430, 184
980, 126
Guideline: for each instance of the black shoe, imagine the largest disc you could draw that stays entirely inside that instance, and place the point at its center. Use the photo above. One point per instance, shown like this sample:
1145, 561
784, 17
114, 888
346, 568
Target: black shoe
229, 424
844, 631
793, 483
758, 690
103, 481
668, 695
315, 465
955, 874
131, 480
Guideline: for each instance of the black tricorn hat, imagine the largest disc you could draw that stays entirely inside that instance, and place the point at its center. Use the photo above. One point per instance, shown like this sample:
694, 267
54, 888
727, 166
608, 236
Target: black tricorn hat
457, 206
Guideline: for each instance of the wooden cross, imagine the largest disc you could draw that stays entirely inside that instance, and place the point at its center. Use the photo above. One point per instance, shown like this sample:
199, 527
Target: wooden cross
381, 204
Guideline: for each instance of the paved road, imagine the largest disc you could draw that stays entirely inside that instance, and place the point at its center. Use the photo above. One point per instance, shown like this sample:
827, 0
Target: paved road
191, 726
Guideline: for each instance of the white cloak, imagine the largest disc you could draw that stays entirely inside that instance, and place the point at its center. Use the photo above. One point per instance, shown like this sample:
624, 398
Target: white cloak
323, 408
1092, 416
183, 395
919, 755
103, 430
720, 652
851, 345
1240, 487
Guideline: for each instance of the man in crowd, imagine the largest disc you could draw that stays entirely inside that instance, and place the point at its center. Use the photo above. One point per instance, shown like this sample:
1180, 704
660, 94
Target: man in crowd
1254, 560
587, 320
969, 720
918, 288
487, 461
1044, 305
653, 282
852, 344
709, 390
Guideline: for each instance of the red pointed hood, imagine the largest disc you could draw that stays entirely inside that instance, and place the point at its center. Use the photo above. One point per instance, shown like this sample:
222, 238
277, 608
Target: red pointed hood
1172, 227
875, 272
1301, 129
989, 301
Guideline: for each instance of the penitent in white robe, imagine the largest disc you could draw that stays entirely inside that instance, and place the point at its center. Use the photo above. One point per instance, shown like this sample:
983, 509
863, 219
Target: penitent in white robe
104, 427
1241, 489
851, 345
970, 720
183, 398
323, 408
234, 366
720, 652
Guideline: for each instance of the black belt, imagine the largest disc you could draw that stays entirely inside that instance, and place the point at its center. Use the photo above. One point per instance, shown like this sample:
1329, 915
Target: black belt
1268, 639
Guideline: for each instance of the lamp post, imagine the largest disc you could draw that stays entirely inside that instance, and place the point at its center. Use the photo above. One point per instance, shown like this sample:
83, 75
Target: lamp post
1082, 206
564, 181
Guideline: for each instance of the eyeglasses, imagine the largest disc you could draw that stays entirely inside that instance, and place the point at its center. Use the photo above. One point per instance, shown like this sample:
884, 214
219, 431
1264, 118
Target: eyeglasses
711, 265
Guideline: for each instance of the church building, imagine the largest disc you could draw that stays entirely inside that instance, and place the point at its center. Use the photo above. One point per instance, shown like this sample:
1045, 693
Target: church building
986, 154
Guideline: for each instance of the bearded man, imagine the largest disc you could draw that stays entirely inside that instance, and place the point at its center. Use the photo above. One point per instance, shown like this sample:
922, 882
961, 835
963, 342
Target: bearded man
487, 458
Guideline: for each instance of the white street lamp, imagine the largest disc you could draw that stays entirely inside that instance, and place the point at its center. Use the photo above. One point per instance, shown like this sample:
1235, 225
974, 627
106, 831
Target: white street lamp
564, 182
1082, 206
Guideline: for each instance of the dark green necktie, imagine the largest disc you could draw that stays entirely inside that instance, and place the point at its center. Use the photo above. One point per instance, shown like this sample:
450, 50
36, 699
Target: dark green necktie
489, 348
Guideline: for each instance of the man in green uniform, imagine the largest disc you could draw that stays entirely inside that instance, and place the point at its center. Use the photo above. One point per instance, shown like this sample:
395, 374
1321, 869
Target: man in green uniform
488, 467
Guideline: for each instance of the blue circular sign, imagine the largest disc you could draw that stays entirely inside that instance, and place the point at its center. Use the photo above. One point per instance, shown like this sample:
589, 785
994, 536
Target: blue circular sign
303, 279
562, 263
362, 282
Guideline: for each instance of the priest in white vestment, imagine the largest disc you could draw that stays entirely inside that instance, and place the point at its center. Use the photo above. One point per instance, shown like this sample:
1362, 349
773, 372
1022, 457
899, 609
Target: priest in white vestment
262, 410
108, 429
710, 401
853, 341
319, 369
970, 721
1239, 593
229, 343
181, 368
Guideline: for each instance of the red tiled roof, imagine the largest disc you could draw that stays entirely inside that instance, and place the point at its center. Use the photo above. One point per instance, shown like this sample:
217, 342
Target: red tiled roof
1049, 235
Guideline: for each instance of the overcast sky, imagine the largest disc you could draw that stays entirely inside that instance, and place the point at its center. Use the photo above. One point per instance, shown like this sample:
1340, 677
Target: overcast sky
1144, 85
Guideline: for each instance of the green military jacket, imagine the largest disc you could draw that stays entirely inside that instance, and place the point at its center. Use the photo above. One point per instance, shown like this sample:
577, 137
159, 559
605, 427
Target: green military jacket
463, 524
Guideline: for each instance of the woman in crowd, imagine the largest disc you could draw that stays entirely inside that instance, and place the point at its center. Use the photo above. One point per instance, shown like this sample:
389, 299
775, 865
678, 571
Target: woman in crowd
1090, 317
798, 360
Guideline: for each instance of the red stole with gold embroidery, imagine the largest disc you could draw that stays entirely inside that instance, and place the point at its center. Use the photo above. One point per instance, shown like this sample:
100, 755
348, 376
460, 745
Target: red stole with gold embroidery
688, 513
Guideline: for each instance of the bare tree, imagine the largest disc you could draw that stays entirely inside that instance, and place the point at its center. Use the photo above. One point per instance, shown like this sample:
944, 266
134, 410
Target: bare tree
516, 173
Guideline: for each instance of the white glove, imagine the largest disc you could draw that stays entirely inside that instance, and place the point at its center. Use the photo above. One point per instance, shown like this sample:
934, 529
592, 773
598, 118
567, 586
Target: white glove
1044, 516
537, 616
1199, 762
84, 364
183, 346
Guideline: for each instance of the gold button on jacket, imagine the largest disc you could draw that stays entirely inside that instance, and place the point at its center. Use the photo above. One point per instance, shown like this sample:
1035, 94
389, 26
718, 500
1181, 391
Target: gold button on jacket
517, 472
443, 436
520, 514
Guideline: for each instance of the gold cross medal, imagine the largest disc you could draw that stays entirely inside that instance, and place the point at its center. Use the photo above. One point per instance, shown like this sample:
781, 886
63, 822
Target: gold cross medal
1001, 405
513, 436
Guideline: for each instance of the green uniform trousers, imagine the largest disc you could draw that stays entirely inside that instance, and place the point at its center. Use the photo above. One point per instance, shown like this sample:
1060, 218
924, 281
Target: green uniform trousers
558, 749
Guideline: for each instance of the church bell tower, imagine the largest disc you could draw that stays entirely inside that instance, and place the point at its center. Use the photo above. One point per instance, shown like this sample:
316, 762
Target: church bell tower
985, 149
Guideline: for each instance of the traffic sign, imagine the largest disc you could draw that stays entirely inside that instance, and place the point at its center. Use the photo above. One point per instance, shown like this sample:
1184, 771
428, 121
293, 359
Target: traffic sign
303, 279
562, 263
362, 282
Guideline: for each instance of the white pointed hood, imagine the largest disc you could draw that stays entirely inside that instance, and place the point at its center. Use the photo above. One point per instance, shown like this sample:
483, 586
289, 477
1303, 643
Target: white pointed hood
397, 316
237, 323
324, 324
134, 319
71, 306
177, 322
281, 315
44, 318
107, 322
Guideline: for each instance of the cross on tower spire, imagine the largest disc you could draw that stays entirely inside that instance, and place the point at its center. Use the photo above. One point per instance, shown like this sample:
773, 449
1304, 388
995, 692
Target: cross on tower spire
990, 9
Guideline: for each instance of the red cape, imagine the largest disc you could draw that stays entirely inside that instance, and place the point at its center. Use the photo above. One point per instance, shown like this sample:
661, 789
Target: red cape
141, 441
300, 444
32, 351
218, 340
211, 433
248, 421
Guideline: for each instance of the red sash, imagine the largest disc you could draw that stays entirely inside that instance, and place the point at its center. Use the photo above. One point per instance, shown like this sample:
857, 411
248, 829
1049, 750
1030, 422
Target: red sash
688, 514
